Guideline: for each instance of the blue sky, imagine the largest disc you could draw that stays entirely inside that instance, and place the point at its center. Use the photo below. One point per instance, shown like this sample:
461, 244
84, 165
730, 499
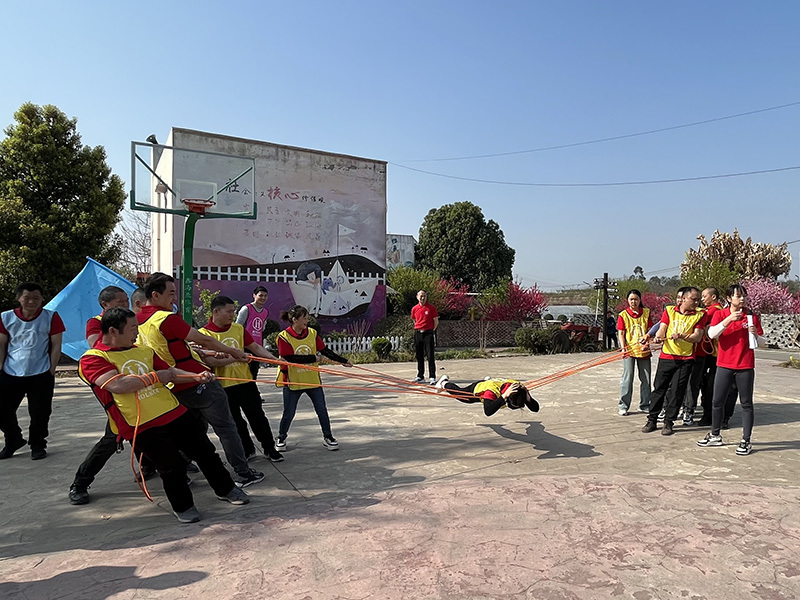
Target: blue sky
409, 81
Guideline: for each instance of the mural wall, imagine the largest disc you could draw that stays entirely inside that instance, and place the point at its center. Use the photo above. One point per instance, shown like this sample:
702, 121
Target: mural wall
318, 241
399, 250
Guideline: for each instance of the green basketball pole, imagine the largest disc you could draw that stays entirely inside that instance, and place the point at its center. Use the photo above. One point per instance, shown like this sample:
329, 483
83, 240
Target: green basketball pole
187, 268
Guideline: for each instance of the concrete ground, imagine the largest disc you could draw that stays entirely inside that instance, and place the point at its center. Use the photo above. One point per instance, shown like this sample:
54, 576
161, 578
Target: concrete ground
428, 498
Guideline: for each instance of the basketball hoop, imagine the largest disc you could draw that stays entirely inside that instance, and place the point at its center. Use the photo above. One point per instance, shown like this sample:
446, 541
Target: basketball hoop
198, 205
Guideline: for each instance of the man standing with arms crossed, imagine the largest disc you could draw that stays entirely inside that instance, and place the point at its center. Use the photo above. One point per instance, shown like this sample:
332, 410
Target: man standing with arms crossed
426, 321
168, 334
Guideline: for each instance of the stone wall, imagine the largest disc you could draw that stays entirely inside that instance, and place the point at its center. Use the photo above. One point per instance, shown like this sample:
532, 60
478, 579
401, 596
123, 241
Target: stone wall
782, 331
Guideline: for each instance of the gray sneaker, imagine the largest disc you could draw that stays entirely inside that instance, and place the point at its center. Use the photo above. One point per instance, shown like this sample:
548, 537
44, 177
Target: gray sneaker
242, 480
330, 442
236, 496
280, 444
188, 516
710, 440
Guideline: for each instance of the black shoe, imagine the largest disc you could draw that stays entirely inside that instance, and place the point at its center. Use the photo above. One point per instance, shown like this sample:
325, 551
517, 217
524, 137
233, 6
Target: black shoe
245, 479
274, 455
192, 468
38, 454
9, 450
78, 494
667, 429
649, 427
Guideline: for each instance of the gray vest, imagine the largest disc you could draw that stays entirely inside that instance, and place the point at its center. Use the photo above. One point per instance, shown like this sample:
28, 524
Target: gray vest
28, 350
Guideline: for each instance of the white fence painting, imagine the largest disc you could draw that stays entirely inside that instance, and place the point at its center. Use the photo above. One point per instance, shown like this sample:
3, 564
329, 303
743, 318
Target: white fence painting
358, 344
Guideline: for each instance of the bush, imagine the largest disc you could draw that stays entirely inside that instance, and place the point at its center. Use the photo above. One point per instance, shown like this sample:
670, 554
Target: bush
400, 326
271, 341
271, 326
382, 347
535, 341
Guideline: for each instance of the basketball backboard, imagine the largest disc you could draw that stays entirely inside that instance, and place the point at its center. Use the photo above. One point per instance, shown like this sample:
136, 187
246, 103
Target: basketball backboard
164, 177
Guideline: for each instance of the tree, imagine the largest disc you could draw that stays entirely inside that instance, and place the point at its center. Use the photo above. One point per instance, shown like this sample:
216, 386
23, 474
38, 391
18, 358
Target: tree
458, 243
59, 201
750, 260
135, 251
712, 273
450, 298
510, 301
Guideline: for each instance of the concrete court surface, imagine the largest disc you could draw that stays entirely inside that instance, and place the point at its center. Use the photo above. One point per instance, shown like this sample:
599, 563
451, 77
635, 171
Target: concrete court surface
428, 498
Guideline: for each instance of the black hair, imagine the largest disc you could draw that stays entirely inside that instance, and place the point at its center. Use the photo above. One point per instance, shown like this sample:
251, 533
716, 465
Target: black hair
138, 295
157, 282
637, 293
116, 318
220, 301
108, 293
293, 313
517, 399
713, 291
28, 286
736, 287
260, 289
683, 290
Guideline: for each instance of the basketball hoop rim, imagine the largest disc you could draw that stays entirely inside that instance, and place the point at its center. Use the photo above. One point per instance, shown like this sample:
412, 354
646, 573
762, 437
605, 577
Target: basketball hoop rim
197, 205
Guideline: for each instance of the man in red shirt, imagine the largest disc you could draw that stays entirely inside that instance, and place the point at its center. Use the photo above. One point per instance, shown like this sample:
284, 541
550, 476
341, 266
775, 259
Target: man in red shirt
30, 347
168, 334
426, 320
711, 301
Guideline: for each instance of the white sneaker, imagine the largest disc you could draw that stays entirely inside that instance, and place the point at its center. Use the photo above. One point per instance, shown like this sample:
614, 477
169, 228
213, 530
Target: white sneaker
744, 448
442, 380
418, 380
710, 440
622, 412
330, 442
280, 444
432, 381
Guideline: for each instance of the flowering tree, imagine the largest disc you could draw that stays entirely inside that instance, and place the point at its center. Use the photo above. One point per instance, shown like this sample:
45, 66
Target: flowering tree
769, 297
454, 298
513, 302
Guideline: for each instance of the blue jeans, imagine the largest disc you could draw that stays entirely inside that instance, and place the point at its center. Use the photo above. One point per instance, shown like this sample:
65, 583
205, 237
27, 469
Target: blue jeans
626, 385
290, 400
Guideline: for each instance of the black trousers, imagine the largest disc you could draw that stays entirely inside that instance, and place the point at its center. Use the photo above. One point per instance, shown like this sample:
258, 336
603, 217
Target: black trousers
677, 373
39, 390
245, 398
425, 347
707, 384
163, 445
695, 384
725, 380
98, 456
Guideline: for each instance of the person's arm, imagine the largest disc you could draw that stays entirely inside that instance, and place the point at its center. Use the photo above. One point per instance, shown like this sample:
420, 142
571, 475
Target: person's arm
207, 341
331, 355
241, 318
492, 406
695, 337
215, 359
3, 349
435, 323
259, 350
128, 384
55, 351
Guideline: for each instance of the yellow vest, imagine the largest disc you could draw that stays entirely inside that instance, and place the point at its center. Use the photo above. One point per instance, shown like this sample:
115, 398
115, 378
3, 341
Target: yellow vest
150, 335
232, 338
680, 323
307, 346
635, 330
153, 400
493, 385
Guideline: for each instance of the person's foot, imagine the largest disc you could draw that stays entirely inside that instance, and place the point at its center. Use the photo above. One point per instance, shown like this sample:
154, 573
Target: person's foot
38, 454
644, 409
667, 428
280, 444
622, 412
442, 380
744, 448
710, 440
330, 442
146, 474
10, 448
78, 494
417, 380
192, 468
190, 515
432, 381
649, 427
236, 496
688, 418
274, 455
243, 480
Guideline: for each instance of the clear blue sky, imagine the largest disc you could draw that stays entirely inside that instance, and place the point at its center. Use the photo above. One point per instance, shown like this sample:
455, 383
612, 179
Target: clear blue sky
407, 81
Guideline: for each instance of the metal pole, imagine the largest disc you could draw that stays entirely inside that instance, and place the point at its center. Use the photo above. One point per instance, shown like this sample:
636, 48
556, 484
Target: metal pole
605, 307
187, 268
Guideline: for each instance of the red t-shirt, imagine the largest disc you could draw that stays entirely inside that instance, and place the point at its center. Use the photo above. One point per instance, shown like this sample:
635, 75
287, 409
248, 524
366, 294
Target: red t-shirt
285, 348
93, 327
93, 367
701, 324
423, 315
248, 339
734, 345
635, 315
175, 329
56, 325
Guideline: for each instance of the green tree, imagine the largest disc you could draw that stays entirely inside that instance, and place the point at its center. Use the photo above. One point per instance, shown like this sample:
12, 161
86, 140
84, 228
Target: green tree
711, 274
751, 261
59, 201
406, 282
458, 243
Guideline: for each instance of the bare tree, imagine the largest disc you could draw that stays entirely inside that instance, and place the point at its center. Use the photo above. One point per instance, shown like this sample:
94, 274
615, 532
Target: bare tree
135, 236
750, 260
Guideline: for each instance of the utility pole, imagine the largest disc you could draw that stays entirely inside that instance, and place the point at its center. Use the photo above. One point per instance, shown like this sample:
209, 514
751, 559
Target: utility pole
609, 290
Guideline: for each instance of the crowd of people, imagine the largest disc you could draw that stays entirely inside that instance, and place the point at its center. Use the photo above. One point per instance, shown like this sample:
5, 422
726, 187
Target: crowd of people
162, 382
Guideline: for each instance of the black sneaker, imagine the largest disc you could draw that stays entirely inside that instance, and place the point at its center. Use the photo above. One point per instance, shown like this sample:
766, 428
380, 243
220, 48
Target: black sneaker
38, 454
280, 444
78, 494
274, 455
190, 515
9, 450
330, 442
192, 468
649, 427
744, 448
249, 478
667, 429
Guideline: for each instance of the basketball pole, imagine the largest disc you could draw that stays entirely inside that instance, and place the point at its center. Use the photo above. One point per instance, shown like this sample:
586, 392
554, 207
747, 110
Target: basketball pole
187, 268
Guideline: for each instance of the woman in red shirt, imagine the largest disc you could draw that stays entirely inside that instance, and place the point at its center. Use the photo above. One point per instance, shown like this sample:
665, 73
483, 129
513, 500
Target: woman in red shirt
738, 331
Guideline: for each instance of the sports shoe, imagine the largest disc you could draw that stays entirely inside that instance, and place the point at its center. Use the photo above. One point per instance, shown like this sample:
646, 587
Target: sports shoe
623, 412
192, 468
237, 496
710, 440
442, 380
417, 380
280, 444
649, 427
274, 455
432, 381
190, 515
667, 428
38, 454
9, 449
644, 409
663, 414
688, 418
78, 494
249, 478
330, 442
744, 448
